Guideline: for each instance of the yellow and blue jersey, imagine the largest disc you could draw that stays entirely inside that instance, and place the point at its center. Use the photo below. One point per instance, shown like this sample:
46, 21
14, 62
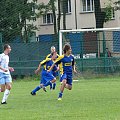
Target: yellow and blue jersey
66, 62
54, 70
47, 76
47, 63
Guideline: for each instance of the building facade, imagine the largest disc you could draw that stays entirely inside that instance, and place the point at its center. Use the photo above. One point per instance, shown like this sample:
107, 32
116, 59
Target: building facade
79, 15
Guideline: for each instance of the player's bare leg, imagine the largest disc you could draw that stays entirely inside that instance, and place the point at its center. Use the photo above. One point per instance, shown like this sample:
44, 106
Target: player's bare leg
6, 92
2, 88
62, 87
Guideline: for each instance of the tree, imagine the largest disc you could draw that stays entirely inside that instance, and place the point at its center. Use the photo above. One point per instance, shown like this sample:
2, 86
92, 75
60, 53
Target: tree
13, 16
53, 8
110, 7
26, 12
64, 2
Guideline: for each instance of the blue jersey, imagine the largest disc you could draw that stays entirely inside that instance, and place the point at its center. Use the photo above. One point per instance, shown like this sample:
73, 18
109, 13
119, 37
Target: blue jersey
67, 63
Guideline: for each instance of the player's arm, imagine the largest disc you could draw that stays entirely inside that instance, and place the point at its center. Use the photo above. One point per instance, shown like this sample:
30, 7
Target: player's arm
38, 69
51, 67
57, 61
3, 69
11, 69
73, 65
41, 63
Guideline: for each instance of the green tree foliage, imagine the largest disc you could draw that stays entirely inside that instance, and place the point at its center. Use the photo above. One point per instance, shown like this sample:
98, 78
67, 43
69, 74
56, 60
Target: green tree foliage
108, 11
13, 16
110, 7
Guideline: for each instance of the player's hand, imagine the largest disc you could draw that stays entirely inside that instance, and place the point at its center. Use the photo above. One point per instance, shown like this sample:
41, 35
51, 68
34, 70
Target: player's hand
36, 71
75, 71
48, 70
11, 69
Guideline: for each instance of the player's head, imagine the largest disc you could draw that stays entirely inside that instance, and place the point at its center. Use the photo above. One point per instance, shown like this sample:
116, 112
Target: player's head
53, 49
7, 48
67, 49
54, 55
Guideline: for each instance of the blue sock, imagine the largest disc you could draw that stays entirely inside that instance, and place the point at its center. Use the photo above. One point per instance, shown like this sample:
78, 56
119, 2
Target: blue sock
54, 85
46, 84
36, 89
60, 95
50, 85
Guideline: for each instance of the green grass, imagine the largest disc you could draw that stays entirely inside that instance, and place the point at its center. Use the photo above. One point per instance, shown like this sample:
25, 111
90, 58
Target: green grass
93, 99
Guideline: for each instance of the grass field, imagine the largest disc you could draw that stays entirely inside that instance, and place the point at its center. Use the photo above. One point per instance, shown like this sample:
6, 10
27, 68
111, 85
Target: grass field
93, 99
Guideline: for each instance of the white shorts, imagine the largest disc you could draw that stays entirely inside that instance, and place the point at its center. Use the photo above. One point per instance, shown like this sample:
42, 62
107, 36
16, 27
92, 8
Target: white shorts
5, 78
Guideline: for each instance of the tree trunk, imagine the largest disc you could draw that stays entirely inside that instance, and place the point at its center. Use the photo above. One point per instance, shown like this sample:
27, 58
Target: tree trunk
59, 14
64, 2
99, 15
54, 16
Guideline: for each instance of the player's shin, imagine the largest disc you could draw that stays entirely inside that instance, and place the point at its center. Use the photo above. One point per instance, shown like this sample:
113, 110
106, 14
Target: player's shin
36, 89
54, 85
5, 96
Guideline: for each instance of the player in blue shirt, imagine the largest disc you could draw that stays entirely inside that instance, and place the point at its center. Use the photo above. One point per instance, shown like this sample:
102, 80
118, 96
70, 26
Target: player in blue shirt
68, 66
46, 77
55, 73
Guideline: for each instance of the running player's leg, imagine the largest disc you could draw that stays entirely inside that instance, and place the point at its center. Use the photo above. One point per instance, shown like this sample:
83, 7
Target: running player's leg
63, 84
69, 82
42, 81
7, 88
50, 79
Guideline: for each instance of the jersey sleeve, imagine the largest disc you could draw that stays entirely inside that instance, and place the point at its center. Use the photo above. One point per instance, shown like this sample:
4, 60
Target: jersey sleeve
48, 56
44, 61
58, 60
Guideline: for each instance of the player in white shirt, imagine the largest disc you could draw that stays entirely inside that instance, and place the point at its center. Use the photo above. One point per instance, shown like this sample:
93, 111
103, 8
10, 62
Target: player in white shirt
5, 77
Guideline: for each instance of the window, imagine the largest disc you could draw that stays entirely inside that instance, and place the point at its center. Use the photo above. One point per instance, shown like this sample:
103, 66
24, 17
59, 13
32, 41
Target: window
67, 7
87, 5
48, 18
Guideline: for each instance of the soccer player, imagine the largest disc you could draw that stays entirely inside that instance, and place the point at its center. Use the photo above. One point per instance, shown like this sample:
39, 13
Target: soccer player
55, 73
46, 77
68, 65
5, 77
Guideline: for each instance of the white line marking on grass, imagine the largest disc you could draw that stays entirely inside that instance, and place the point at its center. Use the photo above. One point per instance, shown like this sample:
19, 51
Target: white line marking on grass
75, 80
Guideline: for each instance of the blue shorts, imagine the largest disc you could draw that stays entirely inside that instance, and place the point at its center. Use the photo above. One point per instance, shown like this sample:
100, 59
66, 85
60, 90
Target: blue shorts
66, 76
5, 78
46, 76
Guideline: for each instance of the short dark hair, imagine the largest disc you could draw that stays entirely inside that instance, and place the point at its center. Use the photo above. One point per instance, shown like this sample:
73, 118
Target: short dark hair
6, 46
66, 47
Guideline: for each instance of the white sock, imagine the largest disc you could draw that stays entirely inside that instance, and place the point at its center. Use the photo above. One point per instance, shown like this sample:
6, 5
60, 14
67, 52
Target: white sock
6, 94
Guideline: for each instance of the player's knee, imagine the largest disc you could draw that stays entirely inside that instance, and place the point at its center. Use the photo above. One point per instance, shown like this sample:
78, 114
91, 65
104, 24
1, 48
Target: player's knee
9, 87
41, 85
64, 82
54, 80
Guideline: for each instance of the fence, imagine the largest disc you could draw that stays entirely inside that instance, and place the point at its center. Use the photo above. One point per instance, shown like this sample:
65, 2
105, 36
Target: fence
25, 57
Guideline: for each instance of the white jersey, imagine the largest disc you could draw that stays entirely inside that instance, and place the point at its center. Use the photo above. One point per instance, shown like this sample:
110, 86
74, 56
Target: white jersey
4, 61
